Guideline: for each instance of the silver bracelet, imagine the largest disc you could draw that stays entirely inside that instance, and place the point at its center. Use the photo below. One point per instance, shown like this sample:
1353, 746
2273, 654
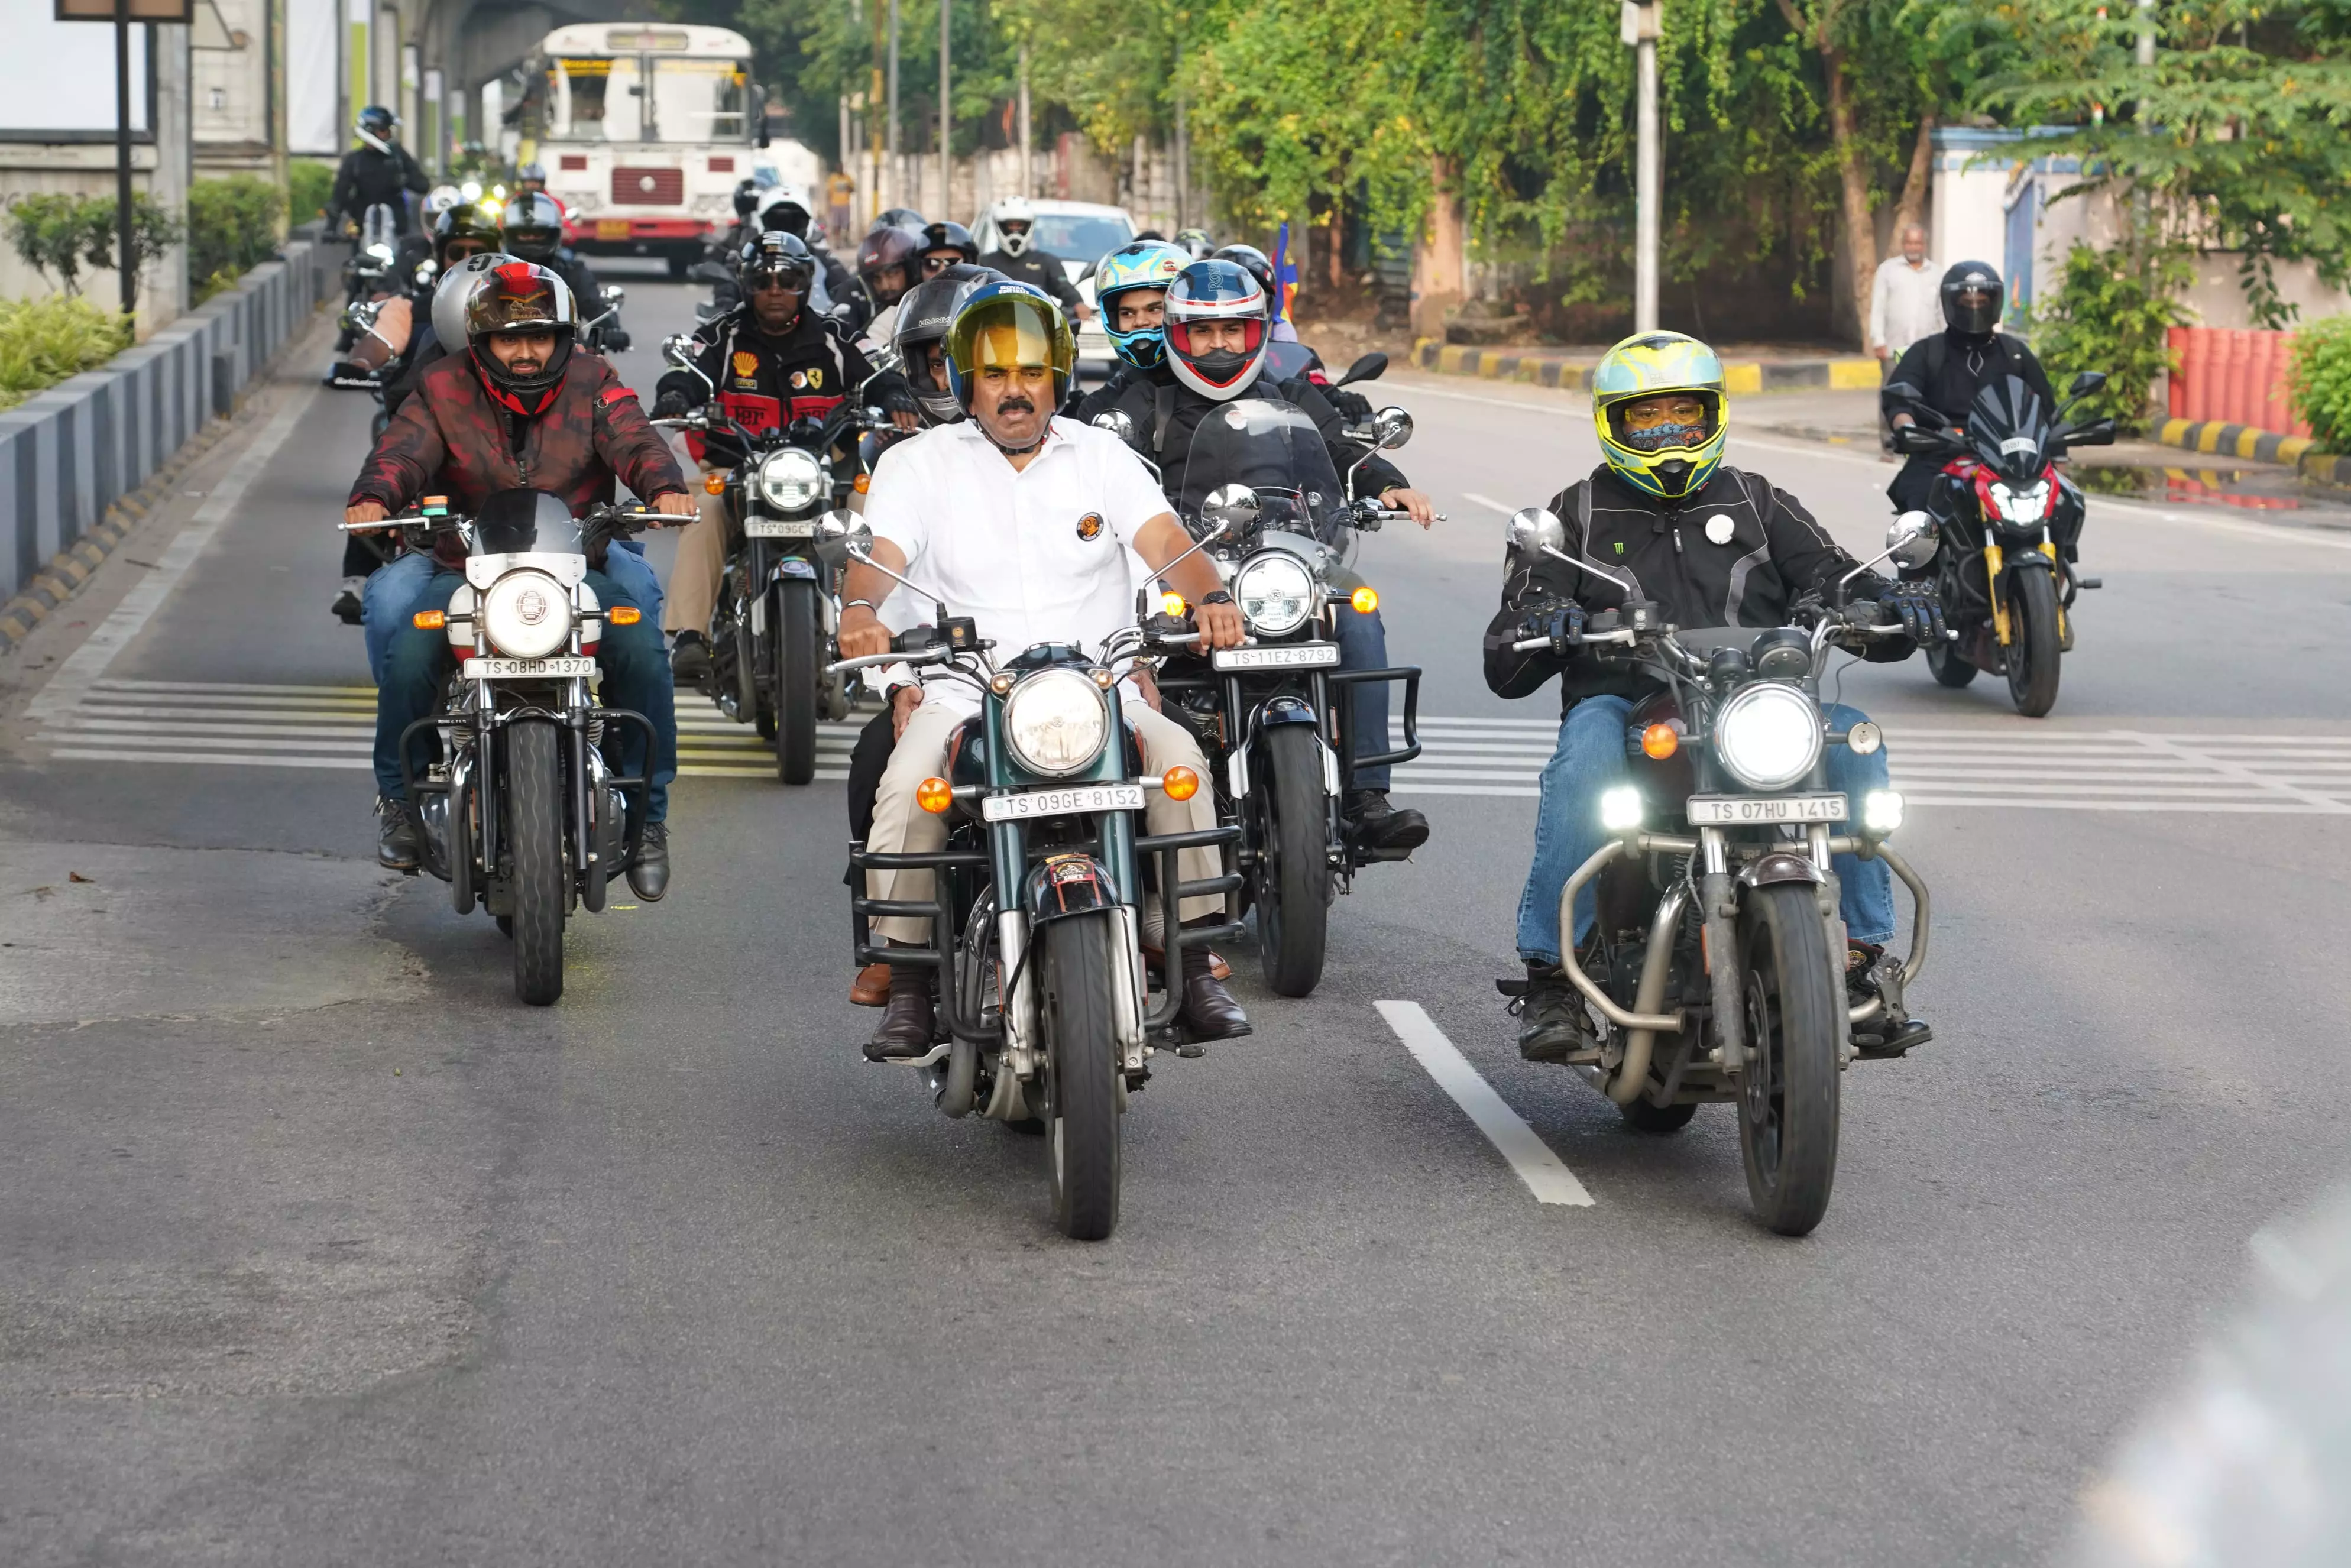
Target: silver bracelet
853, 603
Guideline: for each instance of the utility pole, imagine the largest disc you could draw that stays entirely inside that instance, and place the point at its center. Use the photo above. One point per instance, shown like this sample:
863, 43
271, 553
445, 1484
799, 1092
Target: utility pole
946, 115
125, 255
2147, 32
1027, 180
1640, 22
892, 131
1182, 148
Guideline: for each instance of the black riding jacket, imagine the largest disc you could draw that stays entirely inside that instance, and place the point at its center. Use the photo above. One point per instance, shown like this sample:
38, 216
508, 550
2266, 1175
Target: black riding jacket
367, 178
1950, 368
1039, 269
766, 381
1166, 413
1771, 553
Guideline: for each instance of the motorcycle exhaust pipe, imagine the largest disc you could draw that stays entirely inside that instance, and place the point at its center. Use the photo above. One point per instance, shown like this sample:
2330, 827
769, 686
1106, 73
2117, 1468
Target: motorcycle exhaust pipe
1640, 1044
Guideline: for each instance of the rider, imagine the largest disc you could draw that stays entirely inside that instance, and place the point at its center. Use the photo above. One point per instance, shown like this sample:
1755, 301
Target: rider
1020, 259
531, 179
787, 209
886, 270
1951, 367
942, 244
1216, 343
377, 172
773, 362
1018, 519
520, 409
1710, 544
1131, 286
532, 228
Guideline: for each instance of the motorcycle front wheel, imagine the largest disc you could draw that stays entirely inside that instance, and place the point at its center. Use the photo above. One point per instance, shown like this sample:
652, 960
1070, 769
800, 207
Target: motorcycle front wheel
1950, 666
1293, 882
800, 674
1787, 1096
2032, 650
534, 840
1081, 1032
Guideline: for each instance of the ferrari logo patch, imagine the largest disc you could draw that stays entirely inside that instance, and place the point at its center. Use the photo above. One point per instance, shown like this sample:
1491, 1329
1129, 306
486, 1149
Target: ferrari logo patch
747, 364
1089, 526
816, 378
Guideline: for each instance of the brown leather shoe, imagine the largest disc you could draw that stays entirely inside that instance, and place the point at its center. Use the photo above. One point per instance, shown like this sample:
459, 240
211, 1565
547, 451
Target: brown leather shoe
871, 987
1208, 1010
904, 1031
1158, 958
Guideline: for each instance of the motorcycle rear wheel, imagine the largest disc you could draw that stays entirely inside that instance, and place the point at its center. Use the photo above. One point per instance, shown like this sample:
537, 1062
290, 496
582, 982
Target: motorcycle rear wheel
2033, 653
534, 840
1293, 880
1787, 1096
1082, 1044
798, 677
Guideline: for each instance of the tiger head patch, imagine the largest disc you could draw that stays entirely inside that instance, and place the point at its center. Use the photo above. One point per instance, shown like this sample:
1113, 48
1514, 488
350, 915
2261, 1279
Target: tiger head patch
1089, 526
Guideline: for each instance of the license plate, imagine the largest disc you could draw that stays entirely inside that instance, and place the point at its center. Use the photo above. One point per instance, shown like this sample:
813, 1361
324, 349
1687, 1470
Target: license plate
1026, 805
529, 669
1287, 657
778, 528
1737, 811
612, 229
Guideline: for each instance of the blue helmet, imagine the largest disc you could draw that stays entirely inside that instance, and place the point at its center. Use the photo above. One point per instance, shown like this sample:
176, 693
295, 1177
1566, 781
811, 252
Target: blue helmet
1140, 264
1008, 324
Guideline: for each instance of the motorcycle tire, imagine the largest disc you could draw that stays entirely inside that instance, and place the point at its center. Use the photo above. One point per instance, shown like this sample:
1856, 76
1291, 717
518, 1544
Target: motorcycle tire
1644, 1117
534, 840
2033, 653
800, 679
1293, 880
1795, 1024
1081, 1044
1950, 666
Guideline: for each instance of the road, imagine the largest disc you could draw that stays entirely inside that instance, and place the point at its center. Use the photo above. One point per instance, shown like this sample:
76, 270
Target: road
316, 1248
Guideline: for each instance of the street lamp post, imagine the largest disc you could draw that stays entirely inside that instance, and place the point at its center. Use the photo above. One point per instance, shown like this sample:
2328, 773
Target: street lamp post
946, 116
1640, 22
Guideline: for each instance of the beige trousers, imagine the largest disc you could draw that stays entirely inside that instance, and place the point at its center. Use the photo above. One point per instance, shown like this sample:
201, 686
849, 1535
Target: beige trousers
693, 592
900, 826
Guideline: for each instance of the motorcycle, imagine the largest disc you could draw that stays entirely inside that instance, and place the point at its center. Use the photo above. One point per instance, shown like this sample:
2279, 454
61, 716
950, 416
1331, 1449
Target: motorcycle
773, 630
368, 273
1271, 714
599, 334
1717, 962
1036, 934
520, 808
2010, 524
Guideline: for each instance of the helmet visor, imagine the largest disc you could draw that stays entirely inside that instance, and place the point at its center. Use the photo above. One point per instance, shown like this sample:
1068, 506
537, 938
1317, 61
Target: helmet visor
1668, 422
1009, 333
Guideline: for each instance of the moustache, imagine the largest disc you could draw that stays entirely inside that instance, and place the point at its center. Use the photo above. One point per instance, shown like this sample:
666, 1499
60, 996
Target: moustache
1016, 406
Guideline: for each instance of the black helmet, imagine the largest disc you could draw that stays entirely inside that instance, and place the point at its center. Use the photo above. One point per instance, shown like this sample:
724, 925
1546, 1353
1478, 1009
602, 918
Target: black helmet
533, 226
521, 296
1254, 262
1973, 298
883, 249
906, 218
746, 197
925, 314
952, 236
463, 221
377, 125
777, 254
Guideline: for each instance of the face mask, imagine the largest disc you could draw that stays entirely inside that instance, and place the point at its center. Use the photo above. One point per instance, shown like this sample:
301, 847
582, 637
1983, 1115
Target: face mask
1662, 437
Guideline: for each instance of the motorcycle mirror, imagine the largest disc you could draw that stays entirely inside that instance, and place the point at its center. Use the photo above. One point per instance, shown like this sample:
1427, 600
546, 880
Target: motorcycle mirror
1916, 439
1370, 368
673, 350
2098, 433
1534, 530
1235, 506
1912, 539
1118, 422
2087, 382
1395, 427
614, 297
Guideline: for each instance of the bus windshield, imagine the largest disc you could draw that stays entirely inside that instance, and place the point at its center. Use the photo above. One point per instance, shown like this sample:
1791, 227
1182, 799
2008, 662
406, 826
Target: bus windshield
700, 100
603, 100
594, 100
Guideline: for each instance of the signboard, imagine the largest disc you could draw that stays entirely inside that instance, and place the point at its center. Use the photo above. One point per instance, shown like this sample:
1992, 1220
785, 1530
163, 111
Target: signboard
182, 12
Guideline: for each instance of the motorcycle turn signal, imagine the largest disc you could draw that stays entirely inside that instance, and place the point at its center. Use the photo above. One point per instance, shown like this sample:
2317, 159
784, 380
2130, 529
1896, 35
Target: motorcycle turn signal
1365, 600
934, 795
1660, 741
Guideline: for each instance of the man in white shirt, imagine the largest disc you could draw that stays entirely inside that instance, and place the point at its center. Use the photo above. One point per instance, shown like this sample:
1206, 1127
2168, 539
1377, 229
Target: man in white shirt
1904, 303
1021, 521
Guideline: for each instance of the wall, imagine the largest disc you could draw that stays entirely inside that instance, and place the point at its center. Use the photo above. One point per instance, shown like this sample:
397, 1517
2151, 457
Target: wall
229, 78
2217, 300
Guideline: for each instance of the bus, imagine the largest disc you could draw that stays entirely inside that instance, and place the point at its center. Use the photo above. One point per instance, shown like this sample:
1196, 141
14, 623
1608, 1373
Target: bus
644, 131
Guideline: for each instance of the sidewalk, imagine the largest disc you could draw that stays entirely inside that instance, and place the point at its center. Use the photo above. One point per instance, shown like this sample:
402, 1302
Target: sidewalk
1571, 368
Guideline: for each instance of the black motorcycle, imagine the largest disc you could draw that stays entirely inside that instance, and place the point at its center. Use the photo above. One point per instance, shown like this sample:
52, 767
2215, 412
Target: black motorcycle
520, 806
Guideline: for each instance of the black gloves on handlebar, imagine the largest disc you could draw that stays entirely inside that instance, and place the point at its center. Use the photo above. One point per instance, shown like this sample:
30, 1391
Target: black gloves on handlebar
1557, 622
888, 391
672, 405
599, 526
1917, 607
1352, 406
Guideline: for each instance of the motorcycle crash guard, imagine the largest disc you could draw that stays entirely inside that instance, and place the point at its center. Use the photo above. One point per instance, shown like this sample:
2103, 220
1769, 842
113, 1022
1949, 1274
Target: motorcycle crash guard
1062, 886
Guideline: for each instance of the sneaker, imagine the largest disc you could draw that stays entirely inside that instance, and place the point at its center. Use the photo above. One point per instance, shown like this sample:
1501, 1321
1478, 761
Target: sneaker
348, 603
689, 661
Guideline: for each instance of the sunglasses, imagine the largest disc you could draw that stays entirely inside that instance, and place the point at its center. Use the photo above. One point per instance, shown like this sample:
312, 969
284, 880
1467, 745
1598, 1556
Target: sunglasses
934, 265
776, 283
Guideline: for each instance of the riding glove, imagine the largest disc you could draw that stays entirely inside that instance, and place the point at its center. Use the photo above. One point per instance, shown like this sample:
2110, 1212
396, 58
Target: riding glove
1560, 621
1916, 606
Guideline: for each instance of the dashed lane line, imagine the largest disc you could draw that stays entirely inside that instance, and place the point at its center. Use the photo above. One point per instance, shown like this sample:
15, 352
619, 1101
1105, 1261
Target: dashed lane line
1545, 1174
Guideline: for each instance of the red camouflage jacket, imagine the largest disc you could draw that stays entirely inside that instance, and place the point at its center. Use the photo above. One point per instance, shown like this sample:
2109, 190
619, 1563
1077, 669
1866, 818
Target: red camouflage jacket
451, 439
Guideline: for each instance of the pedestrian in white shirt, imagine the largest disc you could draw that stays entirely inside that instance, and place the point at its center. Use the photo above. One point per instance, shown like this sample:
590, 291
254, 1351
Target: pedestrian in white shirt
1904, 304
1021, 521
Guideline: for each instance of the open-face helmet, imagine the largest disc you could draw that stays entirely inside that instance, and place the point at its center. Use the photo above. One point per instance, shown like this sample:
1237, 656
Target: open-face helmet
881, 250
464, 222
925, 314
521, 296
1217, 292
1973, 298
1009, 325
1138, 264
532, 225
789, 210
1666, 460
1016, 225
948, 236
531, 174
776, 253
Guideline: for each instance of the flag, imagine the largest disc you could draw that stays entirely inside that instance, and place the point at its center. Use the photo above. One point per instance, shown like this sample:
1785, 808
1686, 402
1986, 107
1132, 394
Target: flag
1285, 277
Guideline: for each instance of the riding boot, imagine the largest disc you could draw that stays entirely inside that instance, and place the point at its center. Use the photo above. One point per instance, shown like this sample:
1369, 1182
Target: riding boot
904, 1031
1208, 1010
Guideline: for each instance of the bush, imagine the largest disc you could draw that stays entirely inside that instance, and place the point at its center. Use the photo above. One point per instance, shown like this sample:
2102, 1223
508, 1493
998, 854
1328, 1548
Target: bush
57, 235
2111, 314
43, 341
2322, 382
232, 227
311, 185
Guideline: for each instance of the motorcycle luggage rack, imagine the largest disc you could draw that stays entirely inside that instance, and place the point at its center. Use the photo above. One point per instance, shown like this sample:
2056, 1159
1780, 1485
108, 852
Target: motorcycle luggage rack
632, 786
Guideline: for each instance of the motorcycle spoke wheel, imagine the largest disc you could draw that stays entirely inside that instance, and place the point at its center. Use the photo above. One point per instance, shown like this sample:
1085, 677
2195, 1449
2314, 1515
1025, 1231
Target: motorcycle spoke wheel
1293, 892
1795, 1023
1082, 1043
798, 676
2033, 651
535, 838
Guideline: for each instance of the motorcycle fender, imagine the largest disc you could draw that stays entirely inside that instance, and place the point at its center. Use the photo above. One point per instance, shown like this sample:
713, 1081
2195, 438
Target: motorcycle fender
1780, 866
794, 566
1062, 886
1287, 710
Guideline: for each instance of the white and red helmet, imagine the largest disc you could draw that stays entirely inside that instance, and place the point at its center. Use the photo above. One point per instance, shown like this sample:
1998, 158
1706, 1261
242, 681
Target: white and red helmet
1216, 291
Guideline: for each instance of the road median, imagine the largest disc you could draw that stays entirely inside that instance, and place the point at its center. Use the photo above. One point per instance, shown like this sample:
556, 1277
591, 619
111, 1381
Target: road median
1571, 369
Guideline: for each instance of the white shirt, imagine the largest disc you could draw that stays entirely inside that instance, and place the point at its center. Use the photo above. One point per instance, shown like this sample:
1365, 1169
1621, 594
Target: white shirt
1906, 303
1032, 555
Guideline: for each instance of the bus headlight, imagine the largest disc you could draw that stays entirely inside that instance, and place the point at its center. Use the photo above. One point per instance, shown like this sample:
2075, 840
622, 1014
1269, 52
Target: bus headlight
1056, 723
1769, 735
791, 480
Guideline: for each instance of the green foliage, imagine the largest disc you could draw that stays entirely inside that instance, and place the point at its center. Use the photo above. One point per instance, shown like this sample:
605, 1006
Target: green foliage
310, 184
2322, 382
232, 228
43, 341
49, 233
154, 231
2111, 314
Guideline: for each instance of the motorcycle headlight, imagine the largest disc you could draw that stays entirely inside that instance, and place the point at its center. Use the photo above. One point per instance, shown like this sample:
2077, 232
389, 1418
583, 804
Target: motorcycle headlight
1769, 735
1056, 723
2026, 506
528, 615
791, 480
1275, 591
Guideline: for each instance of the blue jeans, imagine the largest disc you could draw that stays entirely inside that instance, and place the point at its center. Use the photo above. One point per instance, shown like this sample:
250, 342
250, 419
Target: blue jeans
636, 675
394, 593
1590, 758
1364, 646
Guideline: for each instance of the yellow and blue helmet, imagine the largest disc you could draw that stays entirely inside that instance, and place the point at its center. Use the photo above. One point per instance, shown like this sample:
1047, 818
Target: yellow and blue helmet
1138, 264
1008, 325
1669, 461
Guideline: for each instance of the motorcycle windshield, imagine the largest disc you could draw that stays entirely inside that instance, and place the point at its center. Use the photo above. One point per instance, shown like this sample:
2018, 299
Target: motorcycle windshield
514, 521
2008, 429
1275, 450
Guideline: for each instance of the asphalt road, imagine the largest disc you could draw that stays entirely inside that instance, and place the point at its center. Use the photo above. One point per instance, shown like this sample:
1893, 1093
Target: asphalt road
316, 1248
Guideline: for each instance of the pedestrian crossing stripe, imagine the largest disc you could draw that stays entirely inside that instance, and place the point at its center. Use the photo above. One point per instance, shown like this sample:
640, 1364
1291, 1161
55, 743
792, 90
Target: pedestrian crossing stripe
2008, 766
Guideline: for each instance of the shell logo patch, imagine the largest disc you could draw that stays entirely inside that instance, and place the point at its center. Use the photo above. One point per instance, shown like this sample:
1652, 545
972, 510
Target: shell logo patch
747, 364
1089, 526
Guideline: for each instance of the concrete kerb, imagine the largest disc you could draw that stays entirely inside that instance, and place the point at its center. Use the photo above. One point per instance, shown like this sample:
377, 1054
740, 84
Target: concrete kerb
2246, 444
1571, 370
83, 462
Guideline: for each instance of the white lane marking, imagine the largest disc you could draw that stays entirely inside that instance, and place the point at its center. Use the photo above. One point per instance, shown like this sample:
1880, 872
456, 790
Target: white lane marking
1488, 503
1543, 1172
66, 688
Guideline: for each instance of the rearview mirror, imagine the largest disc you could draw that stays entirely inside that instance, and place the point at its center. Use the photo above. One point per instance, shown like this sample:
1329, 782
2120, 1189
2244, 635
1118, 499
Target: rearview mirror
1394, 425
1534, 530
1917, 440
614, 297
1370, 368
673, 350
1235, 505
1911, 539
2087, 384
1118, 422
2098, 433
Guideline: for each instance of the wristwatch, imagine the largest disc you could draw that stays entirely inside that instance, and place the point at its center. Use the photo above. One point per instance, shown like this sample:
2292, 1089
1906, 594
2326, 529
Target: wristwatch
1218, 597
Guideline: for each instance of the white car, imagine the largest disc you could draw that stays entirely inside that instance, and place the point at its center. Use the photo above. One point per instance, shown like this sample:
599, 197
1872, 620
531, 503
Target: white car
1081, 234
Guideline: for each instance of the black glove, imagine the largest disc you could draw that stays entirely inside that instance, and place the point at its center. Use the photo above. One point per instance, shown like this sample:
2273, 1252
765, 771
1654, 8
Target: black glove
1352, 406
672, 405
888, 391
599, 526
1917, 607
1556, 619
616, 339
